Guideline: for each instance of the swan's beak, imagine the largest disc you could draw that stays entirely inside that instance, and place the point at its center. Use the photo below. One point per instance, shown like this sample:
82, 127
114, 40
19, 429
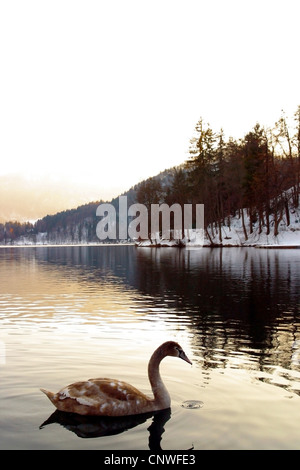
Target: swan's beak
183, 356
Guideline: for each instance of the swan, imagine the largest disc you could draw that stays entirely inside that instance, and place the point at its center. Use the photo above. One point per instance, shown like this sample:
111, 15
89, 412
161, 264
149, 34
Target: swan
109, 397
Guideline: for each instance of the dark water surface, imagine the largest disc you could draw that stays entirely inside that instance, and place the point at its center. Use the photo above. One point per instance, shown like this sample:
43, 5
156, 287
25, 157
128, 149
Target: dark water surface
72, 313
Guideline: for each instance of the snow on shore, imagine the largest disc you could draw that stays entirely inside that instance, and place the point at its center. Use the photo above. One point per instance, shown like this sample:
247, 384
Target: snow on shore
233, 235
288, 236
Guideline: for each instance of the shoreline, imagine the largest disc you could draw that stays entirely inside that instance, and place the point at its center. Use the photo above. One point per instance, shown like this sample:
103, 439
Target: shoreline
70, 245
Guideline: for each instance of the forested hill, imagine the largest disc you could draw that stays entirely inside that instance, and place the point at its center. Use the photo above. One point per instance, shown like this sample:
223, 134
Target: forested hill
71, 226
253, 183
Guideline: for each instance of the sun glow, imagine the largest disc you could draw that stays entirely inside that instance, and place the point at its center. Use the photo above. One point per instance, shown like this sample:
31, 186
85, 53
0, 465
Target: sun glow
103, 95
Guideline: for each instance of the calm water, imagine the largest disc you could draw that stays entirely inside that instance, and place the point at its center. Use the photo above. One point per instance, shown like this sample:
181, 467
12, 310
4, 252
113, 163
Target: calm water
72, 313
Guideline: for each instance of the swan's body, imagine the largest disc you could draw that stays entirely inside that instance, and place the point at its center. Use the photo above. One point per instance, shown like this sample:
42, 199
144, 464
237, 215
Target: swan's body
108, 397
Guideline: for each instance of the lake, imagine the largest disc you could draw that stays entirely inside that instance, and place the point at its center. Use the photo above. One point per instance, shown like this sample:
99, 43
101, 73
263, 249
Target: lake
72, 313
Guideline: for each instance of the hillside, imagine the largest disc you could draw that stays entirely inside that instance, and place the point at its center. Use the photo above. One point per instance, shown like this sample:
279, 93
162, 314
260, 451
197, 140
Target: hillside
78, 226
74, 226
250, 190
233, 235
288, 236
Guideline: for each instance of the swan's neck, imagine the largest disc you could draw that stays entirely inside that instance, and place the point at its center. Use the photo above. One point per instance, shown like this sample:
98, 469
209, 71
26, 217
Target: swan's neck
161, 394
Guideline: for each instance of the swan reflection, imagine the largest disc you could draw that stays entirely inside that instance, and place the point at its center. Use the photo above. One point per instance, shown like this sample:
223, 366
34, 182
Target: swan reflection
98, 426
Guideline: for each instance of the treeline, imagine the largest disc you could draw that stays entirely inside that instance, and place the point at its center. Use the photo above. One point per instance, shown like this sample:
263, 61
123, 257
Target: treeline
256, 178
74, 226
258, 175
11, 231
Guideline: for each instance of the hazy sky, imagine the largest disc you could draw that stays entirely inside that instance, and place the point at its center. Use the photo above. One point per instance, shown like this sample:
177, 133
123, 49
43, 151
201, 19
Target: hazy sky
97, 95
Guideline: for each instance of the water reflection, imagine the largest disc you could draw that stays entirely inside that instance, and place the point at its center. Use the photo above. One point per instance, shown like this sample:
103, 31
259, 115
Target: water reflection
239, 301
95, 426
66, 310
238, 307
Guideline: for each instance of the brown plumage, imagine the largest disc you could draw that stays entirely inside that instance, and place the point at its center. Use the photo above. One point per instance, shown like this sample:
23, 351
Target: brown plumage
109, 397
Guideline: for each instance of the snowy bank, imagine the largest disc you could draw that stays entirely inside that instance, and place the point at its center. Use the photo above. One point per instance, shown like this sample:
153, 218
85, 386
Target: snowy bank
232, 235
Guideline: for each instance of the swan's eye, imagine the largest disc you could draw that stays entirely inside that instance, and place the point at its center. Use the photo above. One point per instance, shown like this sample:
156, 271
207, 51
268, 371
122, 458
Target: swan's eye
180, 351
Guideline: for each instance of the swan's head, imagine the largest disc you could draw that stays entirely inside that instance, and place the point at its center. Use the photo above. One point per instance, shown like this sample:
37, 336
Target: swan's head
174, 349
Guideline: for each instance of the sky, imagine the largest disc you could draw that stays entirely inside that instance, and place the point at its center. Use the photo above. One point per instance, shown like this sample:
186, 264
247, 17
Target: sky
97, 95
